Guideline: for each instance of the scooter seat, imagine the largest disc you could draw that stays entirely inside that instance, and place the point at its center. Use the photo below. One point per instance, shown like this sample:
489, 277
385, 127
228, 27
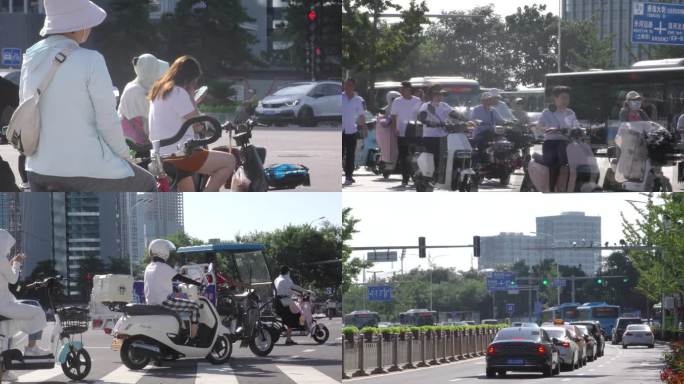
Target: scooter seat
149, 310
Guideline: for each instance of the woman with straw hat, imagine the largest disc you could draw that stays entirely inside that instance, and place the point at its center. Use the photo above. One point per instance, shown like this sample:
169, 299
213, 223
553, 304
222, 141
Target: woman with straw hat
81, 145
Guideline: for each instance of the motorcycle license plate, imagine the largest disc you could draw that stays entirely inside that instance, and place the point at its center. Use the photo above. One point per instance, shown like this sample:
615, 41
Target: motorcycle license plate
116, 344
516, 361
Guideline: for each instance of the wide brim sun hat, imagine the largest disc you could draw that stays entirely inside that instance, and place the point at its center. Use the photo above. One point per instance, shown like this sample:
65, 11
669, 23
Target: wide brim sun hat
633, 95
63, 16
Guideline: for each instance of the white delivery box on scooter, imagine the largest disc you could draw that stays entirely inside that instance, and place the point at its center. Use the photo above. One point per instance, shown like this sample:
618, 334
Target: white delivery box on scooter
112, 289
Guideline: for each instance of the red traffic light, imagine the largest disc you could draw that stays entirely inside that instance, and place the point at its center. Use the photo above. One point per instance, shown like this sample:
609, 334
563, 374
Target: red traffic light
318, 51
312, 16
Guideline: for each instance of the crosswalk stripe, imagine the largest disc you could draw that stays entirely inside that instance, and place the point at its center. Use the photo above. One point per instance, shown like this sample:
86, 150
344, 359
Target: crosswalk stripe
122, 375
306, 375
211, 374
39, 375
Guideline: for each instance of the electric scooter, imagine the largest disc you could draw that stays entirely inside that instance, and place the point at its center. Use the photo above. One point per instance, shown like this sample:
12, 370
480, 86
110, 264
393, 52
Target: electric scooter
153, 332
581, 174
318, 332
66, 351
642, 149
456, 171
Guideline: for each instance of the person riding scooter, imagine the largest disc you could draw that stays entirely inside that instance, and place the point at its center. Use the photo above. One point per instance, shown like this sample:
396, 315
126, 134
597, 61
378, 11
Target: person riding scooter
291, 313
159, 277
556, 121
31, 318
487, 117
433, 115
632, 108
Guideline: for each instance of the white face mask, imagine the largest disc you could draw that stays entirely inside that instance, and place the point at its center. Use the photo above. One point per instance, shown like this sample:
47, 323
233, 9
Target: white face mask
635, 104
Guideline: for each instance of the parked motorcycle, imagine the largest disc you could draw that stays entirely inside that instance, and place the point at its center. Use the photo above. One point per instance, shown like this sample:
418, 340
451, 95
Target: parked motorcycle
455, 171
581, 174
65, 350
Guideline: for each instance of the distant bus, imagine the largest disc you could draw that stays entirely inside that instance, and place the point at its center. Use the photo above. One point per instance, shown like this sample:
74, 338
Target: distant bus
360, 319
534, 98
418, 317
598, 95
566, 312
460, 92
606, 314
382, 88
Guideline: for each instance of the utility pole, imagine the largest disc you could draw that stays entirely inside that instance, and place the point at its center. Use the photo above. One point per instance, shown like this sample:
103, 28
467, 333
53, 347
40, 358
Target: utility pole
572, 282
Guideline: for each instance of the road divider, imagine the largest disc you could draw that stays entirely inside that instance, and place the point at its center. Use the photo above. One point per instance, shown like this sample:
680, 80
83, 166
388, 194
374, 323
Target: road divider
373, 352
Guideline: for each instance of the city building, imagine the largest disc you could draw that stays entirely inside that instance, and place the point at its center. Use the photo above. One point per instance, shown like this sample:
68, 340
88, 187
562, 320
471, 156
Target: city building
572, 229
149, 216
614, 20
564, 230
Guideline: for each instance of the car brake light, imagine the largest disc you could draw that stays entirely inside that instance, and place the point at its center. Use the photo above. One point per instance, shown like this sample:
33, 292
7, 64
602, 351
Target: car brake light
541, 349
628, 334
108, 331
648, 334
491, 350
565, 344
97, 323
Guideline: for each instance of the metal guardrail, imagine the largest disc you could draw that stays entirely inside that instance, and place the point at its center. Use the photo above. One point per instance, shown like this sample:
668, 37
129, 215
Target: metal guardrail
365, 355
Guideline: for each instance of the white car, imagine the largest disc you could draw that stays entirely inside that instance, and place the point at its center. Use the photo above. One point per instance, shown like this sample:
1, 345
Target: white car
568, 351
302, 103
638, 334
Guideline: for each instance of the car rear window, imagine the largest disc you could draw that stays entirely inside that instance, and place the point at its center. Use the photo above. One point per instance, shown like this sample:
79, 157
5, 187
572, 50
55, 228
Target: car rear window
622, 323
530, 334
555, 332
638, 327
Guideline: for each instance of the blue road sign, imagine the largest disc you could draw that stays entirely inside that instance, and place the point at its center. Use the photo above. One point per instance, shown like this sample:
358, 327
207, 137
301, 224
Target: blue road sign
502, 275
657, 23
11, 57
510, 308
379, 293
501, 281
558, 283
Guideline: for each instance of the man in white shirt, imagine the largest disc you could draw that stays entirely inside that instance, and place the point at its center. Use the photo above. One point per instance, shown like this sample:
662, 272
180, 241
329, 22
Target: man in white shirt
285, 288
433, 114
404, 109
353, 119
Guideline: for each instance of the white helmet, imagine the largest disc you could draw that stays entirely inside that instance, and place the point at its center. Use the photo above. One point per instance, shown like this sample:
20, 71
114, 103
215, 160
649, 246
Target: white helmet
161, 248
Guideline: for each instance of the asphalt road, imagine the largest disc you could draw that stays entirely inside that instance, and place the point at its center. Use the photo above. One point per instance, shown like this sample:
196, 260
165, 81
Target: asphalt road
368, 182
316, 148
633, 365
306, 363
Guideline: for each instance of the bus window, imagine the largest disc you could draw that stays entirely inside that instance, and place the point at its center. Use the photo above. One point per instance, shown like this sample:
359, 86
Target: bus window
605, 312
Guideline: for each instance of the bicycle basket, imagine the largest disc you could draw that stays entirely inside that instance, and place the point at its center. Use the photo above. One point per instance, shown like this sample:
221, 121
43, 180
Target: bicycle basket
74, 320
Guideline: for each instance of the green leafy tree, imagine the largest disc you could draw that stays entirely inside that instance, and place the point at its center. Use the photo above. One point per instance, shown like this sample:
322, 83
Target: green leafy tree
119, 265
582, 48
212, 33
127, 32
350, 267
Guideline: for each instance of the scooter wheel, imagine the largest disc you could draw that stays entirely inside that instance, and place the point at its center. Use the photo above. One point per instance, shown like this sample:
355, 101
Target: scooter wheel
321, 333
221, 351
132, 358
77, 365
261, 343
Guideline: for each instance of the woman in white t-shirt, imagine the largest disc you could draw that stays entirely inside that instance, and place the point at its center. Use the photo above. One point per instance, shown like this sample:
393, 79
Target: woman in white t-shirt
171, 105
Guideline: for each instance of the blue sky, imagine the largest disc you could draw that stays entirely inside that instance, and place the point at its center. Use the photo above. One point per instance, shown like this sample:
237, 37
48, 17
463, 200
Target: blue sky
223, 215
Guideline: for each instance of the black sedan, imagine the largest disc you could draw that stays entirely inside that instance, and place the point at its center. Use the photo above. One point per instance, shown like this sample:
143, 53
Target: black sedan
595, 329
523, 349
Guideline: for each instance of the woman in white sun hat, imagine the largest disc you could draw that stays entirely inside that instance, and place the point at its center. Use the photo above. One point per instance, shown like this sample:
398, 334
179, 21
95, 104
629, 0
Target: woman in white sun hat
81, 146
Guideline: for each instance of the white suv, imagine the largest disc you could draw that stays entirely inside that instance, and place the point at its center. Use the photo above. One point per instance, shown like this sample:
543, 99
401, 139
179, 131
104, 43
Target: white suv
303, 103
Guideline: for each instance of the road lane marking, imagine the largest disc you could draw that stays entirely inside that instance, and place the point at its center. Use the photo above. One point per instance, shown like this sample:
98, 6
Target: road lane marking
308, 350
122, 375
295, 357
453, 380
210, 374
306, 375
40, 375
566, 379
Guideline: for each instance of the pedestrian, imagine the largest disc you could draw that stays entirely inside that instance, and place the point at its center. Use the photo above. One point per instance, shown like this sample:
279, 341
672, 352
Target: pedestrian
556, 121
353, 127
171, 105
134, 108
632, 108
486, 117
81, 145
404, 109
433, 114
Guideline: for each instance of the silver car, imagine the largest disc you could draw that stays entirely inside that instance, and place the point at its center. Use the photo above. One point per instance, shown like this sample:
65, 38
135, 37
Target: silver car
567, 348
638, 334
